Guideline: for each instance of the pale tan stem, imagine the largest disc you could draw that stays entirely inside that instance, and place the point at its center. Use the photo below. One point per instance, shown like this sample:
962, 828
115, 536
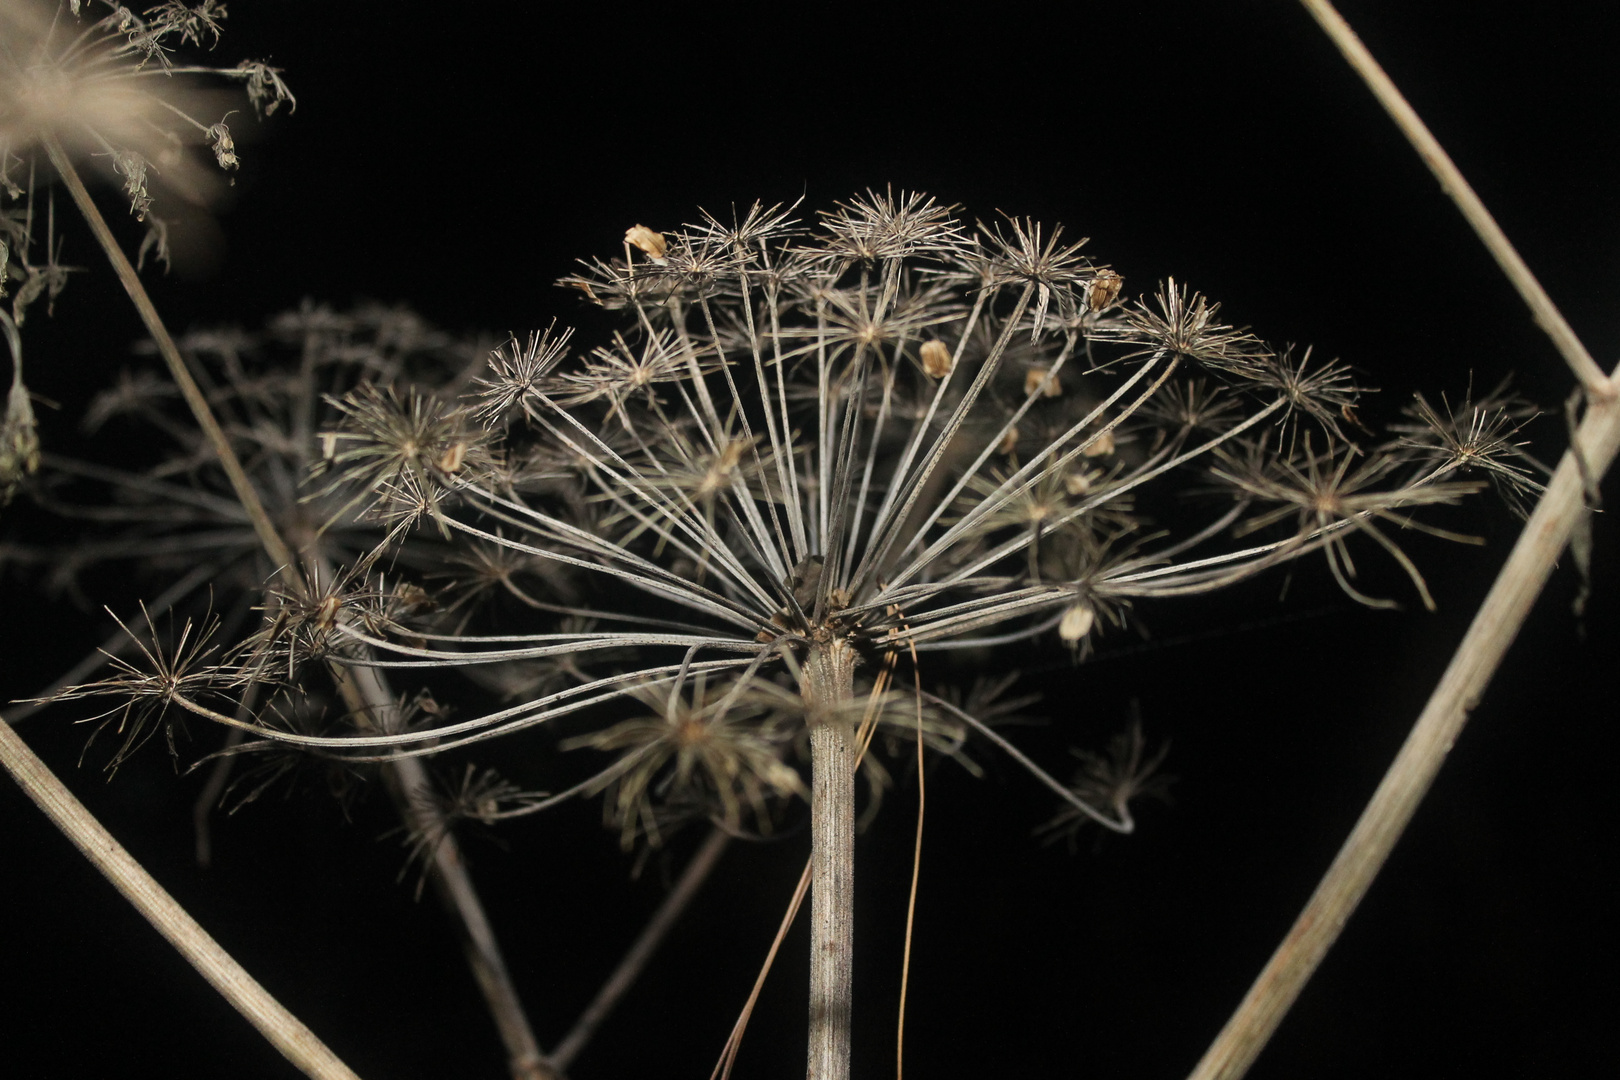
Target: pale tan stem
274, 546
916, 876
1546, 313
1404, 785
829, 682
646, 944
1495, 625
285, 1032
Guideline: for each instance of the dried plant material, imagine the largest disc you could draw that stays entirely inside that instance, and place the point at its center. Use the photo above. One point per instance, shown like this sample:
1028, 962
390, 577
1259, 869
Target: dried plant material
1103, 290
19, 442
649, 242
936, 359
1126, 772
710, 541
1078, 619
1043, 380
19, 432
219, 137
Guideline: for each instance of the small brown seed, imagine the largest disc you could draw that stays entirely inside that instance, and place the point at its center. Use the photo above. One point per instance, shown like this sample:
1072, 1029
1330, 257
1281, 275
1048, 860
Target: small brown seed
1044, 380
1103, 289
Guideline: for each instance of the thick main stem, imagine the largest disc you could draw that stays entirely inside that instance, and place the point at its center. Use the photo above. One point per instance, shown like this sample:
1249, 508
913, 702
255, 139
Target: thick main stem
829, 682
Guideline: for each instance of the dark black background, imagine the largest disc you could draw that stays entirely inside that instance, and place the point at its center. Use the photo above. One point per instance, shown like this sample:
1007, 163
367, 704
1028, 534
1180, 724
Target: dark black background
460, 156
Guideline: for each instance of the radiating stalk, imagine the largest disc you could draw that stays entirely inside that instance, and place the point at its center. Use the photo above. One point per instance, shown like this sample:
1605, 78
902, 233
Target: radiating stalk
830, 682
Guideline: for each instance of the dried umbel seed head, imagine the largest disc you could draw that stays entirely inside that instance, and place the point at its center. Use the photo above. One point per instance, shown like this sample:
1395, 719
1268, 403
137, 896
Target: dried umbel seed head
649, 242
1042, 379
936, 359
1103, 289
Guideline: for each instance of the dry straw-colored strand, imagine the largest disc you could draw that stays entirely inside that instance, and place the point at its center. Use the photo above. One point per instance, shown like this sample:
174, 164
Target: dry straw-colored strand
1452, 182
284, 1030
1494, 627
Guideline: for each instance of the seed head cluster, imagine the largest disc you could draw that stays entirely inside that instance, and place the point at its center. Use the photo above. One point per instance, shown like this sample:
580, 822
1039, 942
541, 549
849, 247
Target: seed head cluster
880, 428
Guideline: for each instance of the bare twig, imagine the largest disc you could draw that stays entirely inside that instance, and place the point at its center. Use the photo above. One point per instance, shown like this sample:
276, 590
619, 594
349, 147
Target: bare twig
728, 1057
1546, 313
1495, 625
285, 1032
916, 874
646, 944
368, 697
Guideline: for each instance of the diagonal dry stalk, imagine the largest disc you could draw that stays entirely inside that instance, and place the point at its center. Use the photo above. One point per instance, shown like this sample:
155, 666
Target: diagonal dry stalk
363, 690
641, 951
284, 1030
1482, 649
367, 696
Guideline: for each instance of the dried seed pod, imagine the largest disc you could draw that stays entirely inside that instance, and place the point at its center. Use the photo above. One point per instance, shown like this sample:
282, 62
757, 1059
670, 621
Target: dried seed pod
224, 146
1041, 378
1101, 446
453, 457
1078, 620
1103, 289
19, 442
1009, 442
652, 243
936, 359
